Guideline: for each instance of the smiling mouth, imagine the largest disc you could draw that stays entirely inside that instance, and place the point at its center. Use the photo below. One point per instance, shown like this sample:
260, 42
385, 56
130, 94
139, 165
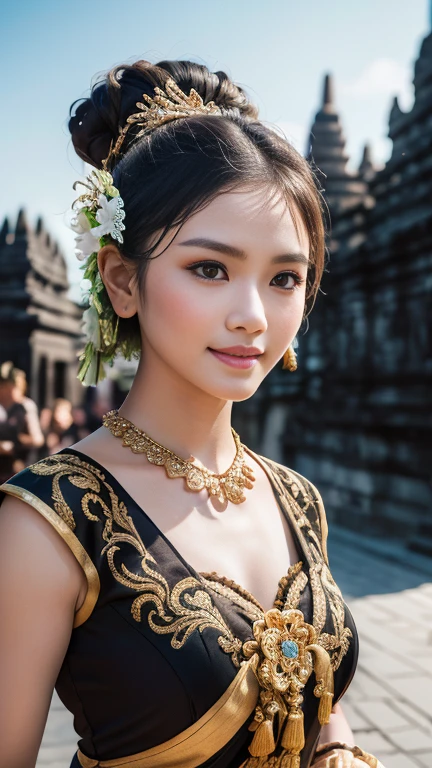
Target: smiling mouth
237, 352
240, 358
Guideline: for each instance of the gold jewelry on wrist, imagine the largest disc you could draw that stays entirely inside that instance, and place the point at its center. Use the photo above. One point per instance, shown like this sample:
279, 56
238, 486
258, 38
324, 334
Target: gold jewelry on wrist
227, 486
358, 752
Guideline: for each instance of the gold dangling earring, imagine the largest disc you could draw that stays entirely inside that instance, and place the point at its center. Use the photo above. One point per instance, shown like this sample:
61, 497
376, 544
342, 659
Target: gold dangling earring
289, 360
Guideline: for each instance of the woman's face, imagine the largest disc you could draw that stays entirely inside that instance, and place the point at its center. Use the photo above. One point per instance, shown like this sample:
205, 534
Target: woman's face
223, 302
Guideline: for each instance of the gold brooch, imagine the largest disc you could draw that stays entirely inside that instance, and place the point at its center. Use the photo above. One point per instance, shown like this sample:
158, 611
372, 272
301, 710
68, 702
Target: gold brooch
287, 652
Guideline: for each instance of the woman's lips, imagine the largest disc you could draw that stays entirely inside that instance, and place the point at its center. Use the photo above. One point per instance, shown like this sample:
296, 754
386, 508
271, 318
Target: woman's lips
237, 357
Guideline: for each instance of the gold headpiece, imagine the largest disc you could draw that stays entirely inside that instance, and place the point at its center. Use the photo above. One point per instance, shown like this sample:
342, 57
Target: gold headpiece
163, 107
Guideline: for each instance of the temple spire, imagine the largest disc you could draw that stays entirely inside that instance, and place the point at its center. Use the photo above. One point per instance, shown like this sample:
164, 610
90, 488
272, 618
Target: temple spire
4, 231
327, 153
328, 94
21, 225
366, 167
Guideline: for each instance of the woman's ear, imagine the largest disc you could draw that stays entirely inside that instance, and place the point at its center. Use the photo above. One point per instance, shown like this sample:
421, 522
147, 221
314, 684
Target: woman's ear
118, 280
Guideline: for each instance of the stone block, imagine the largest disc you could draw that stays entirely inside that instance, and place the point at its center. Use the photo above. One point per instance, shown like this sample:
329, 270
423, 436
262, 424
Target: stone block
425, 759
416, 690
399, 761
374, 742
382, 716
412, 740
355, 719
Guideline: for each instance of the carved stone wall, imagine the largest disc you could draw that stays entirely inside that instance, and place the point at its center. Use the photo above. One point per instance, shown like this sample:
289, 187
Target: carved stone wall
356, 417
40, 327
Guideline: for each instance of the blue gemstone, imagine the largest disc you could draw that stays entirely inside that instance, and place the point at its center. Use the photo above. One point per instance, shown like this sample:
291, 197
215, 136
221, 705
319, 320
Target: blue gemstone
289, 649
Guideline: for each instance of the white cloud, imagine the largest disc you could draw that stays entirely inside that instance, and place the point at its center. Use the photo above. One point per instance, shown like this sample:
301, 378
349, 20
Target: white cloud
382, 77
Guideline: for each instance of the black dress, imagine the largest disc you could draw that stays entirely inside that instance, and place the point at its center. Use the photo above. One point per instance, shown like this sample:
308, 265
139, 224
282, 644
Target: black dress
156, 645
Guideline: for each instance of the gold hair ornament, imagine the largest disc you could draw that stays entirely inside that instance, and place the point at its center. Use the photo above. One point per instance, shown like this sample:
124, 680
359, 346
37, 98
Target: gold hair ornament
165, 106
228, 486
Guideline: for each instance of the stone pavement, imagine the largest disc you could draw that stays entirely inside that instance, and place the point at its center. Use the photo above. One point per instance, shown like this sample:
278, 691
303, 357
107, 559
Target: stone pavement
389, 702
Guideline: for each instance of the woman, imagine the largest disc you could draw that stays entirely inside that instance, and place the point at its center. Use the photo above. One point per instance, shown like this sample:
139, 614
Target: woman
20, 430
60, 426
204, 254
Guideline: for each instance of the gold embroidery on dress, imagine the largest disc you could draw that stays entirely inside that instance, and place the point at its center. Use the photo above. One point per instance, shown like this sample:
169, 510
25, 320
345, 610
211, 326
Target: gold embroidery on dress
285, 583
178, 611
236, 594
327, 597
295, 591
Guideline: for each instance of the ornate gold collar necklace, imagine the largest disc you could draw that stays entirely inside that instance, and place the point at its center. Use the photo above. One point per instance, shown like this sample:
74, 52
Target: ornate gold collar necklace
227, 486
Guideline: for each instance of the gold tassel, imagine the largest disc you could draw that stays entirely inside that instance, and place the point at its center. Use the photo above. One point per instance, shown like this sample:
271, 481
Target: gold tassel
290, 761
263, 742
293, 737
325, 707
324, 688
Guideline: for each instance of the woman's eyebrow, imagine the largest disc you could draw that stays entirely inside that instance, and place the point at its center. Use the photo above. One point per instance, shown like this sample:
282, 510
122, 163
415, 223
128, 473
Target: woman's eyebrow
231, 250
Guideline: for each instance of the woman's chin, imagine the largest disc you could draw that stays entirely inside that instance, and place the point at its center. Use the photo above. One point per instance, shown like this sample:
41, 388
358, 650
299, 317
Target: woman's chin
234, 391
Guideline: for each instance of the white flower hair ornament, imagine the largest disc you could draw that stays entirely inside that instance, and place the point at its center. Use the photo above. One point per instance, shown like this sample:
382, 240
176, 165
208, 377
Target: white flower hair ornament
99, 215
97, 220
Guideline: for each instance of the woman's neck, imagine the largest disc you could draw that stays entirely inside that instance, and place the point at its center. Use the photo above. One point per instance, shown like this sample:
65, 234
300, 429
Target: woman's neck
181, 417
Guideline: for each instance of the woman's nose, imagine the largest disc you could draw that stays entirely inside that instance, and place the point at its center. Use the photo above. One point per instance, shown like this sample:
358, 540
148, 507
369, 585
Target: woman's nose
248, 312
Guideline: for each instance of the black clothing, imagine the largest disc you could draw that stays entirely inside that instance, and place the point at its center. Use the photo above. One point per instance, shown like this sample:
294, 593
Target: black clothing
156, 644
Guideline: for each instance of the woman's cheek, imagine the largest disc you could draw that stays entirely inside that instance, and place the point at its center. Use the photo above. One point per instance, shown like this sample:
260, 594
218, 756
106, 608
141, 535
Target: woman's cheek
177, 309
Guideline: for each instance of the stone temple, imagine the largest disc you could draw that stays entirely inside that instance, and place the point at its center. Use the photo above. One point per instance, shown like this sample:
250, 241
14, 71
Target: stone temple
356, 417
40, 327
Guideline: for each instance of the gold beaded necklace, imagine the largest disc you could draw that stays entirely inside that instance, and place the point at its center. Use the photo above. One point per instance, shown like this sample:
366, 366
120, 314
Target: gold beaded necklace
227, 486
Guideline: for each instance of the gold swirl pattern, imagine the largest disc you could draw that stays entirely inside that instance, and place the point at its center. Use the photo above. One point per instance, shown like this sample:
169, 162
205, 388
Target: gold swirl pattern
303, 505
177, 611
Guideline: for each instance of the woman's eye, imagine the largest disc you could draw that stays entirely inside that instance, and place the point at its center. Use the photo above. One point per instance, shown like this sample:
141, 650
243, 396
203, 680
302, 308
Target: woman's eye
283, 280
209, 271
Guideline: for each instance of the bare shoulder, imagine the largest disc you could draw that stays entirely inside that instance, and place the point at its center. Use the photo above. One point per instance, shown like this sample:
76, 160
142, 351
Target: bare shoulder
39, 584
30, 546
100, 445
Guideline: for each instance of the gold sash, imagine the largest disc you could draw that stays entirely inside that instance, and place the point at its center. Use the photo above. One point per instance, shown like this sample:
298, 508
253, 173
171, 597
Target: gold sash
204, 738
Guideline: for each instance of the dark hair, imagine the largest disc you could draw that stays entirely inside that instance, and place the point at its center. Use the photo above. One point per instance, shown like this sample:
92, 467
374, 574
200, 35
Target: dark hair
172, 172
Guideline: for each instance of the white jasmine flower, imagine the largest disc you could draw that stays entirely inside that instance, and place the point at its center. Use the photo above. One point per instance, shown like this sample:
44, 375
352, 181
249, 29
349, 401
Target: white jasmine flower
86, 244
91, 326
86, 285
110, 216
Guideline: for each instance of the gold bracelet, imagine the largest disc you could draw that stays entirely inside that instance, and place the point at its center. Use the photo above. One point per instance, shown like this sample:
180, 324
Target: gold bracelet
358, 752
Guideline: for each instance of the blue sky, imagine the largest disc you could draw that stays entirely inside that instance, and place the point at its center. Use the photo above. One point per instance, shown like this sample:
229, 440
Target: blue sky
278, 50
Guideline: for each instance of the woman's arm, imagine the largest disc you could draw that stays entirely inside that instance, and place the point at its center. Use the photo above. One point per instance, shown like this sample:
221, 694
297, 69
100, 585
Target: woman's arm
337, 729
41, 586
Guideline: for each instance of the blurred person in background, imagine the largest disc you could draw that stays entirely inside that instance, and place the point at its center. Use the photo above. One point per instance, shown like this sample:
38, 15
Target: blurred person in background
63, 425
20, 430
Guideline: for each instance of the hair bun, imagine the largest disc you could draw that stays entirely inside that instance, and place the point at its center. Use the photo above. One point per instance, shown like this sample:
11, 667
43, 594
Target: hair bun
96, 122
